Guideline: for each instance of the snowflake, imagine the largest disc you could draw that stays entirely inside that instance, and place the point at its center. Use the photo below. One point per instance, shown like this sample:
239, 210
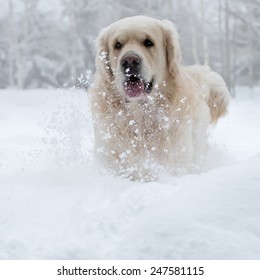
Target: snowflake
183, 100
166, 119
122, 155
107, 136
103, 55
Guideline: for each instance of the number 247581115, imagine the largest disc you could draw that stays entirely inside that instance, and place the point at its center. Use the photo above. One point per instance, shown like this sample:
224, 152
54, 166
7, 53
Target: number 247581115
175, 270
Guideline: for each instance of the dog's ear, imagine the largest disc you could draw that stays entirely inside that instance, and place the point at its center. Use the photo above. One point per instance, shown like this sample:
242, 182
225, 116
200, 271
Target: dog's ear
102, 55
172, 47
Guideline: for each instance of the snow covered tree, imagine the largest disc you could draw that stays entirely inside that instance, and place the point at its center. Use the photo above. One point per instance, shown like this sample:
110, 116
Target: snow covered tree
40, 48
13, 50
204, 34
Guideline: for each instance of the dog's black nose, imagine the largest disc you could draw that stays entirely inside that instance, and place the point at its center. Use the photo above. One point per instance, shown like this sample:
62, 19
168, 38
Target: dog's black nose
130, 62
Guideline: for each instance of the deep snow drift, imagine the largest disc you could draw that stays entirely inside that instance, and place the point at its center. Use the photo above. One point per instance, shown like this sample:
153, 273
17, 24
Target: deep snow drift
56, 203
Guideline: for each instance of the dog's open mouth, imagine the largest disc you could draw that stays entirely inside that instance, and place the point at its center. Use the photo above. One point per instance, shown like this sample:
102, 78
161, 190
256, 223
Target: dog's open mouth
135, 86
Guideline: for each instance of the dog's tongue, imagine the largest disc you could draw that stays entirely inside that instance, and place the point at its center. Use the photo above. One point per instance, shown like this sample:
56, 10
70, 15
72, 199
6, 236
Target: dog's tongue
134, 88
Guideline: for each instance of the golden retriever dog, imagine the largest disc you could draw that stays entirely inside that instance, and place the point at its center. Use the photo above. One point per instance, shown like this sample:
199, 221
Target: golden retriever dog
150, 112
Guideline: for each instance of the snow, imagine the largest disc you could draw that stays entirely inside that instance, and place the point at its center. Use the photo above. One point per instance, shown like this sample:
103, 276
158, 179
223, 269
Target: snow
57, 203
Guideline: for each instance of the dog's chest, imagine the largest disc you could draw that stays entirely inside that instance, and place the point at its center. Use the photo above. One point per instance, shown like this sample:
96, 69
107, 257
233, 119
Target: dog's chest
141, 130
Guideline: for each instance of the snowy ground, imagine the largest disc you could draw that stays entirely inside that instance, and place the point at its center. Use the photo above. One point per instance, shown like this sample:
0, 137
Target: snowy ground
55, 204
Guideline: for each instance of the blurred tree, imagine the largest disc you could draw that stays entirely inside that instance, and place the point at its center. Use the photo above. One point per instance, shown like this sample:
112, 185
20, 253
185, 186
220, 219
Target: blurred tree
250, 40
204, 34
42, 48
4, 82
13, 51
193, 33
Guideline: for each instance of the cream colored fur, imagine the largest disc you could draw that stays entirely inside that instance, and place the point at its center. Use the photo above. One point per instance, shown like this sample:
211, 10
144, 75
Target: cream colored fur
165, 129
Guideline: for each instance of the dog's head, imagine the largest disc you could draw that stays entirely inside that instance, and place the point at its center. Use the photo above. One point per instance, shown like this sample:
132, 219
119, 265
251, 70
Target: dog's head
137, 54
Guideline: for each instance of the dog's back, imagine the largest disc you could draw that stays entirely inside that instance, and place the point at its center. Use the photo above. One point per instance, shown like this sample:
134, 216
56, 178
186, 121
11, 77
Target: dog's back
213, 89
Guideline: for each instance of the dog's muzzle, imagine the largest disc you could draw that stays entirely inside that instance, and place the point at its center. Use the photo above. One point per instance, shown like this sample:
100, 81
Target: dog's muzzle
134, 84
131, 64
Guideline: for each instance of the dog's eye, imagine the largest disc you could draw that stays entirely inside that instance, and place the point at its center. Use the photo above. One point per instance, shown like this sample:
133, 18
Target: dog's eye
118, 46
148, 43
